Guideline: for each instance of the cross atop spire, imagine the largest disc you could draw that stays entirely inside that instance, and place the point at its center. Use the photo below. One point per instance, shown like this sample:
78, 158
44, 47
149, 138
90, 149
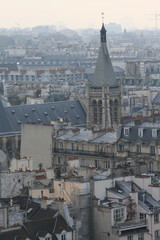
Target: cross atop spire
102, 17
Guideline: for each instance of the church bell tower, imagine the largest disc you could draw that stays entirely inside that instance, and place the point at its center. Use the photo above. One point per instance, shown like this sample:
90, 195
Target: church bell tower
104, 94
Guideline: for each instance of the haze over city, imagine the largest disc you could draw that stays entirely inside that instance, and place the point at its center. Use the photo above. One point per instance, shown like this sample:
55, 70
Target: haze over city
74, 14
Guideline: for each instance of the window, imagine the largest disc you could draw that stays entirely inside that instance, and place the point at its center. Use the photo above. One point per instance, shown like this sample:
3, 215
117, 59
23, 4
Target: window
72, 146
156, 234
97, 148
154, 133
126, 132
150, 166
121, 147
130, 237
152, 149
142, 216
138, 149
96, 163
107, 164
140, 236
118, 214
140, 132
61, 145
47, 238
83, 147
59, 160
63, 237
156, 218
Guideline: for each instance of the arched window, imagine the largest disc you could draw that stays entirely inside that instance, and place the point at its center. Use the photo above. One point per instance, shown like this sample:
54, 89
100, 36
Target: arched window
94, 103
111, 110
100, 111
94, 106
9, 147
116, 108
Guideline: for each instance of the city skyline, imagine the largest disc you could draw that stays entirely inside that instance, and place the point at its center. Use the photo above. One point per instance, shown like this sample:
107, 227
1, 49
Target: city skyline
80, 14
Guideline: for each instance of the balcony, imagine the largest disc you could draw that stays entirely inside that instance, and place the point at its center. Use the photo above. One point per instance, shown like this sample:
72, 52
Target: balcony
81, 152
131, 224
122, 154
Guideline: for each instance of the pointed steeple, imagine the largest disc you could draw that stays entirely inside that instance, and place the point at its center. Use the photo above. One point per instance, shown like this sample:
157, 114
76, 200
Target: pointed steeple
103, 33
104, 73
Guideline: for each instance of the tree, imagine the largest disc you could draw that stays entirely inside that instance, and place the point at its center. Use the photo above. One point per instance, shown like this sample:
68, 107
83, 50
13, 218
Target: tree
14, 100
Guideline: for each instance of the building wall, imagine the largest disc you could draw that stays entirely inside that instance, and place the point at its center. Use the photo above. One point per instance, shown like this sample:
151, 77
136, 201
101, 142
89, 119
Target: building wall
12, 183
40, 193
66, 189
36, 142
102, 227
17, 164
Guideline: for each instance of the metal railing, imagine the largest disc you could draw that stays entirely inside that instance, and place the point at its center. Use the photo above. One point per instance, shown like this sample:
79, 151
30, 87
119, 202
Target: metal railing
83, 152
131, 224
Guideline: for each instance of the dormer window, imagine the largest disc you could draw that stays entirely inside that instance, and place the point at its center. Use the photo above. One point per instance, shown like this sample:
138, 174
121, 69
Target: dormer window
140, 132
154, 133
63, 237
126, 131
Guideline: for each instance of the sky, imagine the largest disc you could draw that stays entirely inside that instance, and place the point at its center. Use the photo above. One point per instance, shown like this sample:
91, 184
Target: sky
76, 14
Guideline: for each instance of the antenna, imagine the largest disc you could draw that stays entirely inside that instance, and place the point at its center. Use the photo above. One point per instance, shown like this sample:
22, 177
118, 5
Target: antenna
102, 17
156, 15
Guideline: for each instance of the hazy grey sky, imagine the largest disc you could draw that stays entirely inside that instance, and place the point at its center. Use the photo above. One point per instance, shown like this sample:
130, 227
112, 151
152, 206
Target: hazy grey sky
79, 13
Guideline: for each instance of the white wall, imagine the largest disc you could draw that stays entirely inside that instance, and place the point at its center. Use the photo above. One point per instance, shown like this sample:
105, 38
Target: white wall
36, 142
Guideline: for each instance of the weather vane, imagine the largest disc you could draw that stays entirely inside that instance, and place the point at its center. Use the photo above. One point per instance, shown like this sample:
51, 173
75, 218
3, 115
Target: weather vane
102, 17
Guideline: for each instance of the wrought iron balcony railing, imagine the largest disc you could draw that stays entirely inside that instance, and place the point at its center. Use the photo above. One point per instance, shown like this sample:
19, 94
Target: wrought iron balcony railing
83, 152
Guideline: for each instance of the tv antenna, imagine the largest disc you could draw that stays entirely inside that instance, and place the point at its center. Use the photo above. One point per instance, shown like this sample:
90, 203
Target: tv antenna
156, 15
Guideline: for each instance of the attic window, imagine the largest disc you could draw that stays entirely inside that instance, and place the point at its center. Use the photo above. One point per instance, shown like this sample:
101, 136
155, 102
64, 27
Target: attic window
26, 115
154, 133
65, 111
39, 120
53, 107
140, 132
46, 113
33, 109
19, 122
72, 106
63, 237
77, 116
12, 111
126, 131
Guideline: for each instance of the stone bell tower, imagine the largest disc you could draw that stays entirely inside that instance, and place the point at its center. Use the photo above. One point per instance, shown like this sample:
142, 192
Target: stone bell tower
104, 95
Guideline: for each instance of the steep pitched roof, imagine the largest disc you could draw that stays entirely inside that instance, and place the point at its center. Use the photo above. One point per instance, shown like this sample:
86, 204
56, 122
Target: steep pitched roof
12, 117
4, 123
104, 74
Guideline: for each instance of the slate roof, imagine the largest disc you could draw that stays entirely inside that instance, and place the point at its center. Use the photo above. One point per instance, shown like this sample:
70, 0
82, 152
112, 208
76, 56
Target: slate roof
88, 136
43, 214
52, 224
136, 109
108, 137
12, 117
147, 202
156, 100
9, 66
147, 132
5, 125
104, 74
19, 234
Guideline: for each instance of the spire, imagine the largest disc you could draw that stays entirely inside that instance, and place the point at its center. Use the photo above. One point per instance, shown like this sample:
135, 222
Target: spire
103, 33
103, 30
104, 73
